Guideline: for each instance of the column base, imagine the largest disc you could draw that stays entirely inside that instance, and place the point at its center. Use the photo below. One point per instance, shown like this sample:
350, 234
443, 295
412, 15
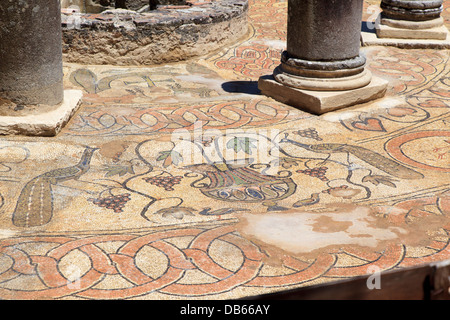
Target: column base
433, 33
38, 120
319, 102
323, 84
407, 34
411, 25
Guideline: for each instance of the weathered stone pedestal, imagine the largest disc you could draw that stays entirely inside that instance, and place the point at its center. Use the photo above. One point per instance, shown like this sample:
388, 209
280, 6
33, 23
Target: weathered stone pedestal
410, 23
322, 69
31, 81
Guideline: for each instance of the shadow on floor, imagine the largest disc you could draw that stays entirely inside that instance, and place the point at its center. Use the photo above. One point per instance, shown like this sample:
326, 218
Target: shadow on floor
248, 87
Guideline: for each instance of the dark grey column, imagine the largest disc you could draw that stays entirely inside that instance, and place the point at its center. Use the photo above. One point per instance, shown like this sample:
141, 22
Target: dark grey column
31, 51
323, 42
324, 29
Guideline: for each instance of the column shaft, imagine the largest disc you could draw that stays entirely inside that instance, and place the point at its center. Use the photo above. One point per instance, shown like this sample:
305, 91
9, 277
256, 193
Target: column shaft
324, 29
31, 51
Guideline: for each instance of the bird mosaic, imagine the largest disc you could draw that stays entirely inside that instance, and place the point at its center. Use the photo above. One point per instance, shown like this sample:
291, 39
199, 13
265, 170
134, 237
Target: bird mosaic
374, 159
35, 204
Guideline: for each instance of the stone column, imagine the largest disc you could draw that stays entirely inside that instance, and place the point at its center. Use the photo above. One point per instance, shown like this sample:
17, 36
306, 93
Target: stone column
31, 51
32, 98
322, 68
323, 41
411, 19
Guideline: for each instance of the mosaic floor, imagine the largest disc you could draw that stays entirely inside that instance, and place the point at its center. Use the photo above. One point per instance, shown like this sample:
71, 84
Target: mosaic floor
181, 181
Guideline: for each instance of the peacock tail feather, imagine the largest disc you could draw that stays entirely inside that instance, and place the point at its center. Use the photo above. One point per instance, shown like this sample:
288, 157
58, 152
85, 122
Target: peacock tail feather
384, 164
34, 206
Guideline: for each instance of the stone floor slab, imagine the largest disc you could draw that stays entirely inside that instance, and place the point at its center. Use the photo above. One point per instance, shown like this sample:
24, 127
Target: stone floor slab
45, 121
371, 39
437, 33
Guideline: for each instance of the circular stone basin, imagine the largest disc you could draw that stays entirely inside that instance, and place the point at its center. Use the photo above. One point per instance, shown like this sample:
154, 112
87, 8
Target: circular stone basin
98, 33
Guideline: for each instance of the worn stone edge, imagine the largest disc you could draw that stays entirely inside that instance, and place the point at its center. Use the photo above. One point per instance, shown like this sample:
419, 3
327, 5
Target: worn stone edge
319, 102
371, 39
43, 124
435, 33
213, 12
